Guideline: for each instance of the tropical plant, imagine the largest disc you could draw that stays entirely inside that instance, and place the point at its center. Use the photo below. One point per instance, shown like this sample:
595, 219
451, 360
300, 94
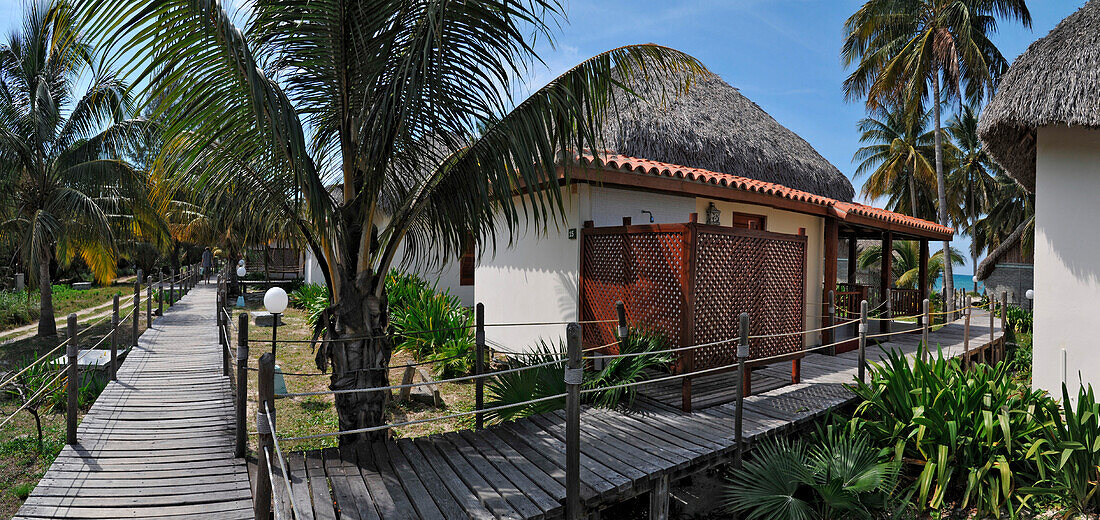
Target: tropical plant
837, 475
971, 184
897, 159
17, 308
547, 377
386, 99
61, 146
435, 326
28, 384
1068, 455
1010, 221
906, 262
900, 48
312, 298
964, 434
404, 288
1019, 320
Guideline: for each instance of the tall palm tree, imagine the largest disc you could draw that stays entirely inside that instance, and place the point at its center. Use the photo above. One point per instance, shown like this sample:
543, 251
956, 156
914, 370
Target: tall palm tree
902, 48
970, 184
382, 98
1010, 220
897, 161
906, 262
62, 150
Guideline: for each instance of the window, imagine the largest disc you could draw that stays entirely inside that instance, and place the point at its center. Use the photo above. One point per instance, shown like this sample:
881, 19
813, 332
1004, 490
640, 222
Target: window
466, 265
747, 221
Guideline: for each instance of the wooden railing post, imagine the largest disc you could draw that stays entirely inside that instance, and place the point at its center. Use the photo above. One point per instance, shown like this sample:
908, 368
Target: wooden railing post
171, 287
114, 339
620, 314
886, 325
242, 385
574, 376
72, 350
829, 335
739, 411
479, 368
966, 337
137, 310
862, 363
160, 292
926, 326
149, 302
223, 339
265, 398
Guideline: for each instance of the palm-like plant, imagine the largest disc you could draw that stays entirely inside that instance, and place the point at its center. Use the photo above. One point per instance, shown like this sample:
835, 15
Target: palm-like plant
62, 151
906, 262
1010, 221
970, 184
384, 99
897, 161
903, 47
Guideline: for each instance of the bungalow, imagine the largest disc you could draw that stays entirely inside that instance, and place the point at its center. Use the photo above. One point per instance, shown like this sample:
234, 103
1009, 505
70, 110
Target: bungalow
1043, 127
702, 208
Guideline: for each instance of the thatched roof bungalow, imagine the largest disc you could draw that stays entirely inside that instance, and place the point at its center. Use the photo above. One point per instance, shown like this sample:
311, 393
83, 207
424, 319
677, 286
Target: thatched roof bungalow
1043, 127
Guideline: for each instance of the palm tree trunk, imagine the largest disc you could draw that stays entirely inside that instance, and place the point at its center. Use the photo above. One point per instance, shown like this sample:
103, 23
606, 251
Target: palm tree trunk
47, 325
913, 194
361, 362
941, 191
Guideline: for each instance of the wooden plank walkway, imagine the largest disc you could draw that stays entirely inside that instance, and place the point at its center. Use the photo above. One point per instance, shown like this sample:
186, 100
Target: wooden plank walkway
517, 470
157, 443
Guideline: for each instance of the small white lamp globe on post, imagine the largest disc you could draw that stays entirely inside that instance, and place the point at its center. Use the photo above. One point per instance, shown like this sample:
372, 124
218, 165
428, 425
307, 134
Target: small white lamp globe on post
275, 301
241, 271
1030, 295
975, 278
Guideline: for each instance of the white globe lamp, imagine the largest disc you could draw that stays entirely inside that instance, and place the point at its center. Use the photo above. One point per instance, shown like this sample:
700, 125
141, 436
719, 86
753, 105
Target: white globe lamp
275, 301
1030, 294
241, 271
241, 262
240, 274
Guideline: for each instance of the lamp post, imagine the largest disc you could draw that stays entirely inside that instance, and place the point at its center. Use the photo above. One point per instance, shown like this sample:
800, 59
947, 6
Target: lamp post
1030, 295
240, 285
275, 301
975, 283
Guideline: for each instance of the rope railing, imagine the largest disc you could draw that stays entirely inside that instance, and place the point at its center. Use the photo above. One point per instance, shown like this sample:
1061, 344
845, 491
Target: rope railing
34, 363
279, 455
434, 331
271, 478
32, 399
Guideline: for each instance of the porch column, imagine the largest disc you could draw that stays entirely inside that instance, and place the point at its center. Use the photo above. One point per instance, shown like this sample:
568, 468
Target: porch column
922, 275
886, 266
832, 245
853, 242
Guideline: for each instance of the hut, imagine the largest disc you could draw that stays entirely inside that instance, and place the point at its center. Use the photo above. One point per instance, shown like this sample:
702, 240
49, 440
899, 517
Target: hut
701, 207
1043, 127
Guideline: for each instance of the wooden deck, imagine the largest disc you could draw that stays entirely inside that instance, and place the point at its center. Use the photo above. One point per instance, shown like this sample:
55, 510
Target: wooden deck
517, 470
159, 441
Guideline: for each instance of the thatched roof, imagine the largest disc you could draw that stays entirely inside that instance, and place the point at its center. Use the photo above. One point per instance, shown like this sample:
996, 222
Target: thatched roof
1055, 82
713, 127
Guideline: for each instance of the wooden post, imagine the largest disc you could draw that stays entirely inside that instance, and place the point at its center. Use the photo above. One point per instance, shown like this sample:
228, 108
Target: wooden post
172, 287
160, 292
886, 266
72, 349
862, 363
658, 499
853, 245
1004, 323
966, 337
137, 309
265, 398
992, 349
479, 368
149, 302
829, 335
886, 325
574, 376
832, 246
925, 328
620, 314
242, 386
223, 339
114, 339
739, 410
687, 315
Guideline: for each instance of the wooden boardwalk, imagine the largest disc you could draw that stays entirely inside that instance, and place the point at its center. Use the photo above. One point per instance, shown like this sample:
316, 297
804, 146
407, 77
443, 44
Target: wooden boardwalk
157, 443
517, 470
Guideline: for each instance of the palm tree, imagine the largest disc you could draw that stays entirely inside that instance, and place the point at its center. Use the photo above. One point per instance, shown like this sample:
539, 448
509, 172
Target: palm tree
61, 148
1010, 220
970, 184
906, 262
903, 47
382, 99
896, 161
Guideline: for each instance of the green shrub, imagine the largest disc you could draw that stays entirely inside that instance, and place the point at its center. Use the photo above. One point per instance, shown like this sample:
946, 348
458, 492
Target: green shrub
435, 326
1068, 455
545, 381
965, 434
1019, 319
402, 289
838, 475
312, 298
17, 308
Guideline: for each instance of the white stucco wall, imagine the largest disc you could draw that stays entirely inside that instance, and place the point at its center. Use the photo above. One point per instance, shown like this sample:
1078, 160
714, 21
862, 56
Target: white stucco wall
787, 222
1067, 259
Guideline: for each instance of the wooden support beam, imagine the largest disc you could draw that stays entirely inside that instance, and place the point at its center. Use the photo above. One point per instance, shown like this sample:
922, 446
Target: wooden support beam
853, 244
922, 274
832, 247
658, 499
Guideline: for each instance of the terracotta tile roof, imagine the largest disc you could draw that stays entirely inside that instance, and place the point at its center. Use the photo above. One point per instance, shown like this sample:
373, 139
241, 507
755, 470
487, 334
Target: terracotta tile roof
842, 209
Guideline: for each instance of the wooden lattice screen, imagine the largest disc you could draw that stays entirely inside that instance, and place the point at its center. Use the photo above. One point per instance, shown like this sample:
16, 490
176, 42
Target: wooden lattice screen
660, 272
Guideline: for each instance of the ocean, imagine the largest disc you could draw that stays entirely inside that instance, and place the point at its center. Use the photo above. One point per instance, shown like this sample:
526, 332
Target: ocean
962, 281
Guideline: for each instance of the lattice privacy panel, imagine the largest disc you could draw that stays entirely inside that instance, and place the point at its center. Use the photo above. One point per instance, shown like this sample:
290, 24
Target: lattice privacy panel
725, 272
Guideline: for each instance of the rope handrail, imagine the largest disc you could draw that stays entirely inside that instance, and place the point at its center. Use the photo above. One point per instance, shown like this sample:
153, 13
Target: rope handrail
413, 385
892, 318
820, 329
884, 334
30, 365
421, 421
37, 394
448, 329
279, 455
271, 478
374, 369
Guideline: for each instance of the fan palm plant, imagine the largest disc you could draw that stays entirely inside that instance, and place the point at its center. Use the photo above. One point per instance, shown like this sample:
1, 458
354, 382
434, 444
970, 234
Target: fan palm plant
900, 48
906, 262
897, 161
382, 99
62, 149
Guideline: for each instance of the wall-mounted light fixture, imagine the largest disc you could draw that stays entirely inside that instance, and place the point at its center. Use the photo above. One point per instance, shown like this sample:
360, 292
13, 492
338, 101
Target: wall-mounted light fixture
650, 213
714, 215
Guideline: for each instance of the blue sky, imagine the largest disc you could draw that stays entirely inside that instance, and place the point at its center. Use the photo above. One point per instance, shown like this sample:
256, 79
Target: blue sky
782, 54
